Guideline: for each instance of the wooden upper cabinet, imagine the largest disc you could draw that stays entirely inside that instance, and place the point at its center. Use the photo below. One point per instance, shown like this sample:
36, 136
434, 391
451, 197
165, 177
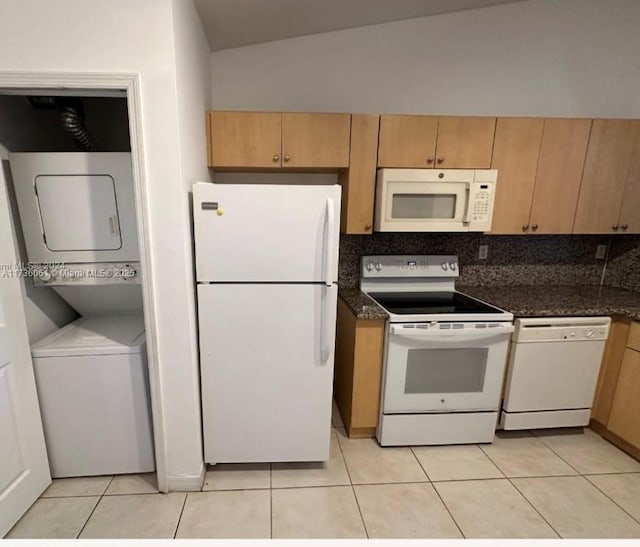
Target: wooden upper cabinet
611, 147
562, 154
359, 181
464, 142
407, 141
315, 140
430, 141
515, 155
244, 139
631, 204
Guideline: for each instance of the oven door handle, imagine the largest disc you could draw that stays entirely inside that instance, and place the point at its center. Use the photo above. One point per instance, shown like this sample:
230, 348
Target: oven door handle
453, 336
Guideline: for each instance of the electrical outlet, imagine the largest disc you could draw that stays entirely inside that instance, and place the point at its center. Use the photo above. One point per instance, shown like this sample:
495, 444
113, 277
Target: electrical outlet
483, 252
601, 251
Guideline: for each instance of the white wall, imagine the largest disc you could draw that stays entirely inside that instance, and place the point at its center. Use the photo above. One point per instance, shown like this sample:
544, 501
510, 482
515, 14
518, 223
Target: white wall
133, 36
193, 89
539, 58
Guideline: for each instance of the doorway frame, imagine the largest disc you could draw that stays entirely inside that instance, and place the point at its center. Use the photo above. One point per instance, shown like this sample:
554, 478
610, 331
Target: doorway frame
130, 83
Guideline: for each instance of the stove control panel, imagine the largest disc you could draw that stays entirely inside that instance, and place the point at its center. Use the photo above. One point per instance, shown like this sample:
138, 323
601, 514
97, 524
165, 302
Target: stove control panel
410, 266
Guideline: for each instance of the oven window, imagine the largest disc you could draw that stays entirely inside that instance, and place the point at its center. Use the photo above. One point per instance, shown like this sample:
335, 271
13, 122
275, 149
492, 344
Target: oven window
460, 370
424, 206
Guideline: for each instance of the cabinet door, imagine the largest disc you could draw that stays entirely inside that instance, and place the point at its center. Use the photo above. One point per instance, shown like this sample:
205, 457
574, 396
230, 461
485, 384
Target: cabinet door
515, 155
624, 419
359, 181
564, 146
465, 142
244, 139
629, 217
407, 141
315, 140
605, 174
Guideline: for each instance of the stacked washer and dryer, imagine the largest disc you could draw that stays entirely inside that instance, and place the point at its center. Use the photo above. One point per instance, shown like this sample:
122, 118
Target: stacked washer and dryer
77, 213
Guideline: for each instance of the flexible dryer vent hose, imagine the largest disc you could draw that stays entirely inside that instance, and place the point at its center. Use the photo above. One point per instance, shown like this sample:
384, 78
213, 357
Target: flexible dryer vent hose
73, 122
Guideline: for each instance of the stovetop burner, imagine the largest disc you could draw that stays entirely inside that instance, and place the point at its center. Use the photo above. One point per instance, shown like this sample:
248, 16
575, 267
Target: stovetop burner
414, 303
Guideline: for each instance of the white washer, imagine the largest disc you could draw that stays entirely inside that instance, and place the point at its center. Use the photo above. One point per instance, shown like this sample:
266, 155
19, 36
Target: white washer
93, 389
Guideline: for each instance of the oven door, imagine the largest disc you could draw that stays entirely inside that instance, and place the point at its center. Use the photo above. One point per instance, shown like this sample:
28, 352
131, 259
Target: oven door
435, 370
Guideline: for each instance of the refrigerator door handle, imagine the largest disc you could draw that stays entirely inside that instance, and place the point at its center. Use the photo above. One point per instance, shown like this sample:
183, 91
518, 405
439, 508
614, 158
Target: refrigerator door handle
328, 243
325, 328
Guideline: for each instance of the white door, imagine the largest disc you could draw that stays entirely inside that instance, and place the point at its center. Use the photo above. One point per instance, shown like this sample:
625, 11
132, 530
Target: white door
264, 232
266, 361
24, 469
432, 370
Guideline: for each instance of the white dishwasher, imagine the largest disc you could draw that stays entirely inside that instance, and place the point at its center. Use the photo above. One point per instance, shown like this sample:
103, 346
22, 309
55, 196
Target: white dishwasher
552, 371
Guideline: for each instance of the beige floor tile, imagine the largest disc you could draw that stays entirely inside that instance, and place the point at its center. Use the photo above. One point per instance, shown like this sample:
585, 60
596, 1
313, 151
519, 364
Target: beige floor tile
331, 473
588, 452
464, 462
77, 486
525, 456
336, 419
330, 512
145, 483
238, 476
151, 516
404, 511
54, 518
369, 463
230, 514
622, 488
577, 509
492, 509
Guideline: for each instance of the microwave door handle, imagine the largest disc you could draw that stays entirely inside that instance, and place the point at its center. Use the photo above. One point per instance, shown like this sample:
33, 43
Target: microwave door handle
467, 199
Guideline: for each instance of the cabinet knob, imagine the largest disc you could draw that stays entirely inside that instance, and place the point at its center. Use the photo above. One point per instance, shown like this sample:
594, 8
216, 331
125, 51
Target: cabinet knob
440, 159
430, 160
368, 227
525, 227
287, 157
624, 226
614, 227
534, 227
275, 158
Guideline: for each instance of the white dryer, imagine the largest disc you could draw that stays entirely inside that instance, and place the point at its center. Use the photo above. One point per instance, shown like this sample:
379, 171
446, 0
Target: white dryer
93, 389
76, 207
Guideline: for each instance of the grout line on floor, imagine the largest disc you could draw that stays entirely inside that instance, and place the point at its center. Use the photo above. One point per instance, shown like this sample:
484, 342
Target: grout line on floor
609, 497
353, 490
91, 514
184, 503
534, 507
439, 496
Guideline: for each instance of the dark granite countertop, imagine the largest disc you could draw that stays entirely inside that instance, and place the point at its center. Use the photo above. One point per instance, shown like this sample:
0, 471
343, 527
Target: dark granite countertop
361, 305
527, 300
559, 300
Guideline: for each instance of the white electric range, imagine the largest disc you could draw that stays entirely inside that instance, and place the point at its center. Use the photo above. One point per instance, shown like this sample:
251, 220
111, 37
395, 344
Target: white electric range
445, 353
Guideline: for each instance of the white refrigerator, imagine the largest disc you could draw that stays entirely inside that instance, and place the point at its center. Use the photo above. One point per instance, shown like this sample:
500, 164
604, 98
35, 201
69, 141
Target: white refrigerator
266, 267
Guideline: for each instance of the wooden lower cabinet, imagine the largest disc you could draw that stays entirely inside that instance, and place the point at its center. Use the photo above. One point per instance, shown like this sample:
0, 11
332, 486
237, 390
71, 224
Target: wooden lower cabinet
616, 409
358, 371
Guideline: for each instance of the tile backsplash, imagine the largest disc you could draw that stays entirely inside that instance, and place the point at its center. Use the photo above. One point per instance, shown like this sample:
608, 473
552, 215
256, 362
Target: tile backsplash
512, 260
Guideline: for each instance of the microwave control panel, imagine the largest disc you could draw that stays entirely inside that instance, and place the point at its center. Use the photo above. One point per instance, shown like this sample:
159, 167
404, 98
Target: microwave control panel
481, 205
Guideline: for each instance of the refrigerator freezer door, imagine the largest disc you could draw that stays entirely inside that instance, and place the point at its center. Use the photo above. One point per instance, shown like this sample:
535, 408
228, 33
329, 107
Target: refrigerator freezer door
266, 387
263, 233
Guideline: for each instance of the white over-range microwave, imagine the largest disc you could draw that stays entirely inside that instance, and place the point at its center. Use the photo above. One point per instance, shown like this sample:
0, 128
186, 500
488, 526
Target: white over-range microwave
435, 200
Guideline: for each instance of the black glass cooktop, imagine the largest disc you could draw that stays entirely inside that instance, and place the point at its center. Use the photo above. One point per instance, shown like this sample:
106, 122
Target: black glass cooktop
414, 303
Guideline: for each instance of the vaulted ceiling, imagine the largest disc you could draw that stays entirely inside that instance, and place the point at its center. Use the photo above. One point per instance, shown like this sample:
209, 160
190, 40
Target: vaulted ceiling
235, 23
